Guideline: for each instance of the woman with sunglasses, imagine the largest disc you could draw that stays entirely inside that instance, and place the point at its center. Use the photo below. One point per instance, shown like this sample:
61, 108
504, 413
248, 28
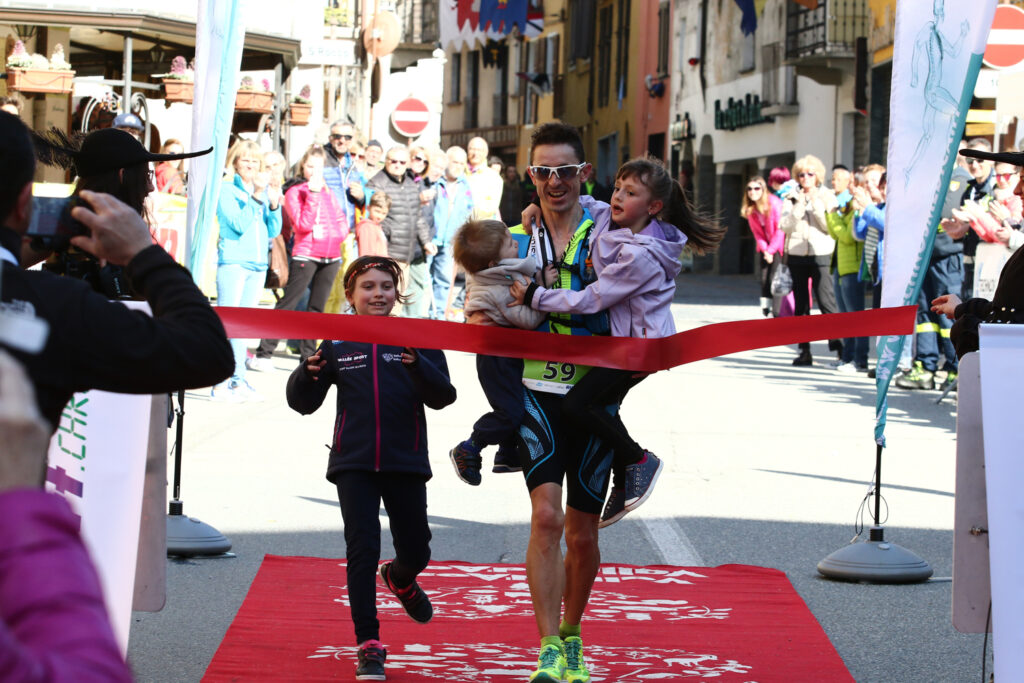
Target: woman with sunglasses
993, 218
762, 210
808, 245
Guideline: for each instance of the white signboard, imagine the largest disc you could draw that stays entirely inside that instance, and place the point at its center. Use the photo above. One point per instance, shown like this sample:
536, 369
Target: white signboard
328, 52
1002, 376
988, 264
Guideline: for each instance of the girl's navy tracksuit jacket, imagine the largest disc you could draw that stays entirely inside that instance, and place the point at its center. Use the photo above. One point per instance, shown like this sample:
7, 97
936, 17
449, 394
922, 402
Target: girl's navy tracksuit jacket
380, 426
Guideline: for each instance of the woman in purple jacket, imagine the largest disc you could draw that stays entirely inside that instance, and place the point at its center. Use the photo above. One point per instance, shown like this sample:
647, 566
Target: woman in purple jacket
637, 241
762, 209
53, 622
379, 452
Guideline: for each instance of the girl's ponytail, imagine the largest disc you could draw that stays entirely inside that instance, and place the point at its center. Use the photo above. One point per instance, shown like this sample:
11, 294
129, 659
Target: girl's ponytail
703, 233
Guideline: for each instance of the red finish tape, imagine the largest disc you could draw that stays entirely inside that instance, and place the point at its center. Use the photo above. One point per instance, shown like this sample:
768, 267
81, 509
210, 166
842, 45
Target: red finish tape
625, 353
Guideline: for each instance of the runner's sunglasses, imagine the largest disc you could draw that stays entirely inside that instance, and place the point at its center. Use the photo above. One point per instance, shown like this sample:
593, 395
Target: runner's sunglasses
542, 173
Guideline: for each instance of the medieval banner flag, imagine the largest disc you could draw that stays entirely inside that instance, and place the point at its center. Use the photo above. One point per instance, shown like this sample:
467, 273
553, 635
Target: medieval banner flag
502, 15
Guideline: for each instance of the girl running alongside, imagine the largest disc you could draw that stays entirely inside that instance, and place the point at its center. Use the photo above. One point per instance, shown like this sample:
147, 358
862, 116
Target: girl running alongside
635, 255
379, 452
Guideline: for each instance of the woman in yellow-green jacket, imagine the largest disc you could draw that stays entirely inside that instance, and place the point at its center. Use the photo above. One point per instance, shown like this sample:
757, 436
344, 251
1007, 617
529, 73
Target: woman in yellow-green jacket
850, 291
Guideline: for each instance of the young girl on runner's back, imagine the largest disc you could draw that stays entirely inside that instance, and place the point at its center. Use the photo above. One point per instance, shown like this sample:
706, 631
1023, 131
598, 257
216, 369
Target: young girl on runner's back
636, 245
379, 452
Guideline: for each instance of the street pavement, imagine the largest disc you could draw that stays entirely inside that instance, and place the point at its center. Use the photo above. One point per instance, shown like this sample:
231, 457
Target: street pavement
765, 464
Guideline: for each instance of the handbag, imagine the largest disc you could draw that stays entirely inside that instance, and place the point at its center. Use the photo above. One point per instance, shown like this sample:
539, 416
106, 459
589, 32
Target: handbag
782, 280
277, 269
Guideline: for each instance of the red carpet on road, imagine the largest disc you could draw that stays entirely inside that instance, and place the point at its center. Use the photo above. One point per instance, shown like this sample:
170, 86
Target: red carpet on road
733, 623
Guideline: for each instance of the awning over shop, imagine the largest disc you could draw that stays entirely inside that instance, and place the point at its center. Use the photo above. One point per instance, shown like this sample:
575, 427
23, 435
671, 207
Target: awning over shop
98, 40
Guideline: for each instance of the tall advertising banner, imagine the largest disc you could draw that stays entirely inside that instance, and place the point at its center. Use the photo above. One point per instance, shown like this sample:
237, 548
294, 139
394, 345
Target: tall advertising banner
1002, 376
97, 461
937, 55
220, 34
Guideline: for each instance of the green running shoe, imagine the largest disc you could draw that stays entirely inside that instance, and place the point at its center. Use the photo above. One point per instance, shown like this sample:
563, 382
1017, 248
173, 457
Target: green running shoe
575, 668
550, 665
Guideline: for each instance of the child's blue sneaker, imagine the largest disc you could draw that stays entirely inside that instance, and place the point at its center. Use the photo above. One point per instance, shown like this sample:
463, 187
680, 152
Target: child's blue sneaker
466, 459
506, 460
640, 479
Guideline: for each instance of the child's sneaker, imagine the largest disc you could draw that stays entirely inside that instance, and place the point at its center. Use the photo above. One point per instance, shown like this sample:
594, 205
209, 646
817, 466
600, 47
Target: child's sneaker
414, 600
550, 665
614, 509
640, 478
506, 460
466, 459
371, 661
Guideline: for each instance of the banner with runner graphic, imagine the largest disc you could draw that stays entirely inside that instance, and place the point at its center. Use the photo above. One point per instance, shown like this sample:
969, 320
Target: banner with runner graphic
97, 461
937, 54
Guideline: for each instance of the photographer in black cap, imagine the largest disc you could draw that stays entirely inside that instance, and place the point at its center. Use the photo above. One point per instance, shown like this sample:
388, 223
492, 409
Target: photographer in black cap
94, 343
110, 161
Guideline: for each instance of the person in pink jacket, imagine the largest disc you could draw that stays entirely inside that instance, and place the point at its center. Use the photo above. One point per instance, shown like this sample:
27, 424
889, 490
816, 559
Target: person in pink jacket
762, 209
319, 227
53, 622
635, 249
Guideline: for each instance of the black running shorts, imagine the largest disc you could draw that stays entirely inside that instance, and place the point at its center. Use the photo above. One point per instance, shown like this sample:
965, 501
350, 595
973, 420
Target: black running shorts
552, 449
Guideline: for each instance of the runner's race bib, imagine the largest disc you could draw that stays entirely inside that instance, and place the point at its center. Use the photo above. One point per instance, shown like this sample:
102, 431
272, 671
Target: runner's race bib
551, 376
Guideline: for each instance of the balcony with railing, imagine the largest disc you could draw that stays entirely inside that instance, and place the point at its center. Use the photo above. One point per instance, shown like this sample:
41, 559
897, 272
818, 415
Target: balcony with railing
828, 32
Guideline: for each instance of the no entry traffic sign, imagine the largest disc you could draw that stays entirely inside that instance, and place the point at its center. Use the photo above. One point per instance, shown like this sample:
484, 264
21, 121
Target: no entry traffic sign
1005, 47
410, 117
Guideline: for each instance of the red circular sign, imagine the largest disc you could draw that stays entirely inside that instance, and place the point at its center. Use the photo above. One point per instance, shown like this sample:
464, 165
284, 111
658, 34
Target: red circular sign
410, 117
1005, 47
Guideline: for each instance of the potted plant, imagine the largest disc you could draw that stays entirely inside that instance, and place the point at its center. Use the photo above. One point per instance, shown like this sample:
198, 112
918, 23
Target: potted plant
36, 73
300, 107
179, 82
251, 97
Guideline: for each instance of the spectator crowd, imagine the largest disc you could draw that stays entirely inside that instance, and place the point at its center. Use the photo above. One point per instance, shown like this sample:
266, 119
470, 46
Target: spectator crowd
827, 239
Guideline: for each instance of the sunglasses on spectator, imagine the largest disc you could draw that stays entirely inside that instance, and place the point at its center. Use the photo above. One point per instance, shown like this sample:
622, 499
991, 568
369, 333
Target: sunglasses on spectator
753, 188
542, 173
805, 174
1005, 176
338, 136
975, 162
400, 162
420, 159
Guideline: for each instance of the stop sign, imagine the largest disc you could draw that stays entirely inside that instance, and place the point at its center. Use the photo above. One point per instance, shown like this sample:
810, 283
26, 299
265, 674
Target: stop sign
1005, 47
410, 117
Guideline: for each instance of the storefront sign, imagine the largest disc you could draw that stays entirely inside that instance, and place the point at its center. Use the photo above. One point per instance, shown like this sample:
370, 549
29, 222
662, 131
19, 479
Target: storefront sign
328, 52
739, 113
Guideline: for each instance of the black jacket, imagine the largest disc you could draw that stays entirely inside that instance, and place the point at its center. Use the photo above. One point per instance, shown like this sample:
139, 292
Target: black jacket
98, 344
407, 231
381, 425
1007, 306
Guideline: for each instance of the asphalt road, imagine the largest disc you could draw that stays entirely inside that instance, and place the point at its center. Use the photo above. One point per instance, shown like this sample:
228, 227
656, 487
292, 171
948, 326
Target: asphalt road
766, 464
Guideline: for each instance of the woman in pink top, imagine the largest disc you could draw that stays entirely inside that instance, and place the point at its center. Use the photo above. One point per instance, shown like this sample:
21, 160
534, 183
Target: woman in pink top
318, 227
762, 208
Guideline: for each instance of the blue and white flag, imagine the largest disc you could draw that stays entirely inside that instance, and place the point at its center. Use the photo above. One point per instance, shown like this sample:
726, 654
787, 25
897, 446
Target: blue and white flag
937, 55
220, 34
